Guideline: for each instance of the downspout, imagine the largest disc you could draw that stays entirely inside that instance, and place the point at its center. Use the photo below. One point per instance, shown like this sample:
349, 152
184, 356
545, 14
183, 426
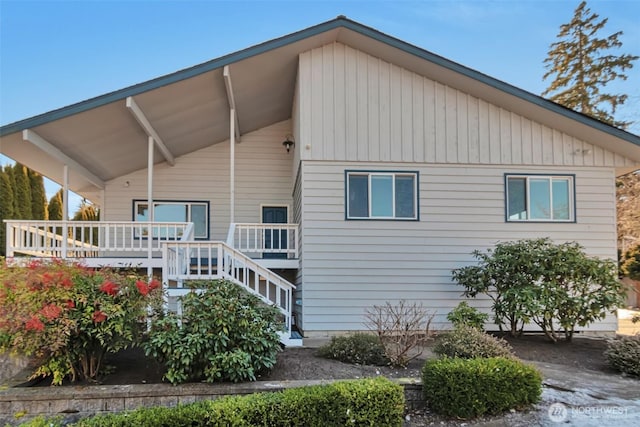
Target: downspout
150, 207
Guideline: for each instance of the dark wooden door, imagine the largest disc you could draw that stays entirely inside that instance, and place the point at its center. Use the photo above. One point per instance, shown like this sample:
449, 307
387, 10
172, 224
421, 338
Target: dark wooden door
275, 238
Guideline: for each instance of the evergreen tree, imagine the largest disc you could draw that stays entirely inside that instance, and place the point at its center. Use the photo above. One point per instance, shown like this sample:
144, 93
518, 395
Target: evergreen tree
22, 192
87, 212
38, 196
581, 64
9, 170
6, 207
54, 207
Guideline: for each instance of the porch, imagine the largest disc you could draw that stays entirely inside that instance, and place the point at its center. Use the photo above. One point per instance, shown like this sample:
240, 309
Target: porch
245, 258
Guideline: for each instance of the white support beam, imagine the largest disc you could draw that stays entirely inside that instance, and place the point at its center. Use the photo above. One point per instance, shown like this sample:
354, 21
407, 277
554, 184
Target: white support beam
138, 114
65, 193
55, 152
232, 167
150, 215
226, 73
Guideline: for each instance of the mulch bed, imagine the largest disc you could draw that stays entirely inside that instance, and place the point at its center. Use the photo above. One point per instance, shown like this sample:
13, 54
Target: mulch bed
133, 367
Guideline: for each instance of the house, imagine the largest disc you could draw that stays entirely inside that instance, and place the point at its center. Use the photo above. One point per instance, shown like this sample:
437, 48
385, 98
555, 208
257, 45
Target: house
328, 171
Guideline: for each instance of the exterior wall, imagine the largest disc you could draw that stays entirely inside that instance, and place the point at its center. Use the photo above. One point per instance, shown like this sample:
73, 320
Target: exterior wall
263, 176
355, 107
349, 266
355, 111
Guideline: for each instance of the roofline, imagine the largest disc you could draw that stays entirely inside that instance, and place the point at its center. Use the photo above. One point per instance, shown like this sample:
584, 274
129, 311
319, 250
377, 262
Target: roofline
168, 79
340, 21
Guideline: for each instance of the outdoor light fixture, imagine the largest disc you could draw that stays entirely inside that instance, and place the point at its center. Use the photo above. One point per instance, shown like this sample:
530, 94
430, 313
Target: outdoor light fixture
288, 142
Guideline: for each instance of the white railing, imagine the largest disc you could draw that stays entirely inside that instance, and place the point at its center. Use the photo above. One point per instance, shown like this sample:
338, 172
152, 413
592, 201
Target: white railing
184, 261
263, 240
87, 239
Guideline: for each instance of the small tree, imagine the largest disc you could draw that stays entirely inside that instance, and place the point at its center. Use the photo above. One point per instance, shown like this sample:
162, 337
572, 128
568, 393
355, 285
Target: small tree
402, 328
581, 65
551, 285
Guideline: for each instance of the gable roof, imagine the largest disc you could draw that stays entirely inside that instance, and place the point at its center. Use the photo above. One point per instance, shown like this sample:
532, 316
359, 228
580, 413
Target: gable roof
190, 109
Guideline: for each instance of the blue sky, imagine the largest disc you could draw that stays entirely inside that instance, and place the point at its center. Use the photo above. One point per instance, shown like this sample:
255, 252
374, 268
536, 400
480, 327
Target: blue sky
55, 53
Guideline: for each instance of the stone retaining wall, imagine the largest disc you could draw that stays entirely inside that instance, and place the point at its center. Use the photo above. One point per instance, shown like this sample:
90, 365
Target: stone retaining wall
20, 404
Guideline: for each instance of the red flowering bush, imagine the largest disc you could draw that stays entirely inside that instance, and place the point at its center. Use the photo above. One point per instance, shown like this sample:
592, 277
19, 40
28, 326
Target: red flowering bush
69, 316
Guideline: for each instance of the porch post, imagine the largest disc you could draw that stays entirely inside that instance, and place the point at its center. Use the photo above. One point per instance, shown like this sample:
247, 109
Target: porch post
65, 209
150, 207
232, 165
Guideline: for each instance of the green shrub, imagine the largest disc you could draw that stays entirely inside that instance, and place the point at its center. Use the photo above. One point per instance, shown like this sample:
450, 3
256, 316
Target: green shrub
630, 264
464, 315
69, 316
367, 402
467, 388
226, 334
359, 348
623, 354
536, 280
467, 343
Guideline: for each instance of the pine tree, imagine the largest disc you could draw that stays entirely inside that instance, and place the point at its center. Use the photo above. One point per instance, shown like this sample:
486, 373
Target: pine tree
38, 196
22, 192
55, 207
582, 64
6, 207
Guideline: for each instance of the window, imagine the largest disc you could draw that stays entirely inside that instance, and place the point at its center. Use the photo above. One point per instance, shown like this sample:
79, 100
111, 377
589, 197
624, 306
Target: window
382, 195
173, 211
540, 198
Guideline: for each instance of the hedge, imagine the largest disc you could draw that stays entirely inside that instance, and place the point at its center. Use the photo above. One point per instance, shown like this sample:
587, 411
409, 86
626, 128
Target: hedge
366, 402
467, 388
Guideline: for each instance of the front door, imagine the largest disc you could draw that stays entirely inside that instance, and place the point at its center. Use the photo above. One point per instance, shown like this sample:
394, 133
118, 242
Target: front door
275, 238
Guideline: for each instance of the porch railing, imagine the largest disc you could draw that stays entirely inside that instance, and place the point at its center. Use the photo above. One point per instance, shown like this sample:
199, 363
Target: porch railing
86, 239
265, 240
184, 261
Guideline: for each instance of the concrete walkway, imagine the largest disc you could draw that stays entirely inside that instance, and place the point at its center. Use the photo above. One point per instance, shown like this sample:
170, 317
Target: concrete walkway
573, 397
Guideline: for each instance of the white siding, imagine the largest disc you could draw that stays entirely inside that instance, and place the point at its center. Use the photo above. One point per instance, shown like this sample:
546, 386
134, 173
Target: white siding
355, 107
351, 265
263, 175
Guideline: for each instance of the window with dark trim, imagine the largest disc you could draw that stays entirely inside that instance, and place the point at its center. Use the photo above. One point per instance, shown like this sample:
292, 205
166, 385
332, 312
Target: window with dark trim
540, 198
381, 195
196, 212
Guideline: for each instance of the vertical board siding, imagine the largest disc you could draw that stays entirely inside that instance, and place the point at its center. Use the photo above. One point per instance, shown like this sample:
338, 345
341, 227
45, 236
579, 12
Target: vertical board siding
356, 107
263, 175
349, 266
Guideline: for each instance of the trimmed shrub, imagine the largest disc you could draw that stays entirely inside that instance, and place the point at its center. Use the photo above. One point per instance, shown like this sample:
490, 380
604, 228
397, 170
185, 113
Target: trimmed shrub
366, 402
225, 334
467, 342
623, 354
359, 348
464, 315
467, 388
